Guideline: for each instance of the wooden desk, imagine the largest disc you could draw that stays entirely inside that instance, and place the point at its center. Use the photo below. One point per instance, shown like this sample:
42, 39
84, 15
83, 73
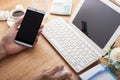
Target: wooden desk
22, 66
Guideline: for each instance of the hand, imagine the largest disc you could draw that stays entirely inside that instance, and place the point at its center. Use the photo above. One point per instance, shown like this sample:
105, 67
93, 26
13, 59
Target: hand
49, 74
8, 40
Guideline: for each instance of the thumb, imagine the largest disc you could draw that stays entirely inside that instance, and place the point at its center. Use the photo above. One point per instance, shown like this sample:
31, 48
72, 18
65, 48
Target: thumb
17, 23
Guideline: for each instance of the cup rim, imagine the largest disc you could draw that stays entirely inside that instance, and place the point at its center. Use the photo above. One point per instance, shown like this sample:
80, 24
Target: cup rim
14, 10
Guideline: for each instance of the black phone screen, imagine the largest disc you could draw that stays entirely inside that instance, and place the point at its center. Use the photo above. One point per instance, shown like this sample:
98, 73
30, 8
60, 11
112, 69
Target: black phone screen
29, 26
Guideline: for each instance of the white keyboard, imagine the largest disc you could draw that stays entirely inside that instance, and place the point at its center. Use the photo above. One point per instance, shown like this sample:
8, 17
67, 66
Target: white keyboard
75, 50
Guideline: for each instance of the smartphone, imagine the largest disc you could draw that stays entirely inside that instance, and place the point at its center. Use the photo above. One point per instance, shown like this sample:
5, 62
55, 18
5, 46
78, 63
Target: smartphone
29, 27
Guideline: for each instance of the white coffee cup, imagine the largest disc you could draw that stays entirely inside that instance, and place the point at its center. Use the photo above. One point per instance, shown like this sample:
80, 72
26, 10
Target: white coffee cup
16, 13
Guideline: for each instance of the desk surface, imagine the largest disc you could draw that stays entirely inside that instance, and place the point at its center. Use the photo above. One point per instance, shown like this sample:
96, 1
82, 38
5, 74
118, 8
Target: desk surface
22, 66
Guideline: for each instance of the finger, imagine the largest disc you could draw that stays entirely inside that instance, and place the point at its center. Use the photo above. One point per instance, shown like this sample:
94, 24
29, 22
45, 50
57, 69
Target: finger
17, 23
36, 40
41, 27
56, 69
39, 32
64, 76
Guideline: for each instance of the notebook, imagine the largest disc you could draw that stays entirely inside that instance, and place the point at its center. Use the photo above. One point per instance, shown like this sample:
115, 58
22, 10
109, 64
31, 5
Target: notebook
97, 22
98, 72
61, 7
